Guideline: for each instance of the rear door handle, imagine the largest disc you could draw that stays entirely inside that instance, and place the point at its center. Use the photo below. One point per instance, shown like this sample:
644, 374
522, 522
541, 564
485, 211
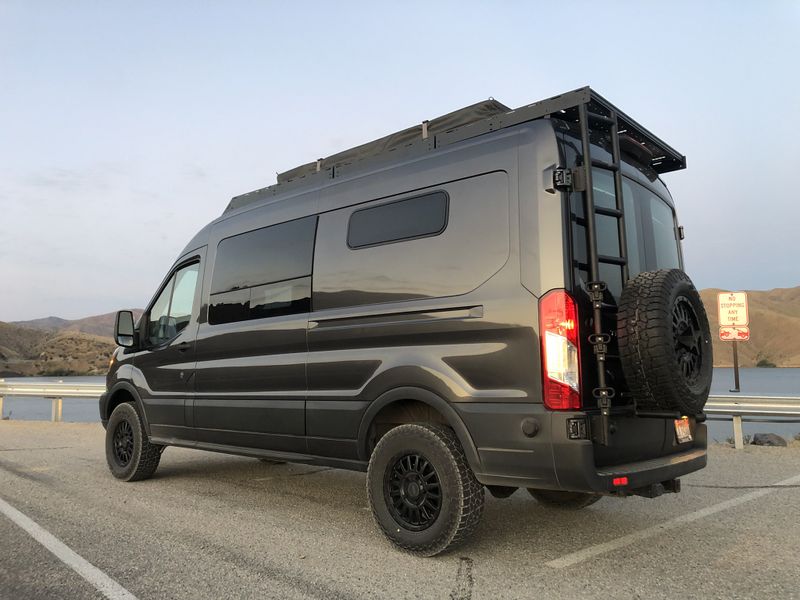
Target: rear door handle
183, 346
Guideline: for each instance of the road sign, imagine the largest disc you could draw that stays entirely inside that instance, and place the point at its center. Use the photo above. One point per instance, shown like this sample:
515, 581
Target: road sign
730, 334
733, 309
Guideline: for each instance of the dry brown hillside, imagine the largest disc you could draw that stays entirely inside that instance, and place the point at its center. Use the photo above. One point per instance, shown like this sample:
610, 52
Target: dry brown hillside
102, 325
17, 343
774, 328
26, 351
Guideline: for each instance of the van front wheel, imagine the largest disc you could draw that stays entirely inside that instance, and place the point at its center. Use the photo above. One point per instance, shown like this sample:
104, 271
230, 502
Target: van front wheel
130, 455
422, 492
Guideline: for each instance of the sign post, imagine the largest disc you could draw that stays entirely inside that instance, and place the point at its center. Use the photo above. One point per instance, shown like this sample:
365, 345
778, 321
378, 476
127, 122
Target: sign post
733, 325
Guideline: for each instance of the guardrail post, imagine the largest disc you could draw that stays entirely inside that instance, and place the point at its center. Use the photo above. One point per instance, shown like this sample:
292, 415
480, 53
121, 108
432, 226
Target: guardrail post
738, 438
56, 411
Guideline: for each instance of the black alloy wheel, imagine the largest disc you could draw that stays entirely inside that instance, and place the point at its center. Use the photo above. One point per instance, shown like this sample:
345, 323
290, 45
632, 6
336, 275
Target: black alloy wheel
688, 338
123, 443
413, 492
129, 453
422, 491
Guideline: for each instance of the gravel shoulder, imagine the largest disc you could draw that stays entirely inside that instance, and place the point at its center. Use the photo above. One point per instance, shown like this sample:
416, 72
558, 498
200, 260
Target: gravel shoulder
210, 525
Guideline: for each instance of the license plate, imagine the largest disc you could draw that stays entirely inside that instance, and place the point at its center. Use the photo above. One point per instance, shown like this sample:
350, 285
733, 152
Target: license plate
682, 431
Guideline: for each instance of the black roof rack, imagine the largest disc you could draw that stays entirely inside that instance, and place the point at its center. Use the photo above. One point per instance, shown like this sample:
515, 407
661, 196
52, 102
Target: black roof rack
471, 121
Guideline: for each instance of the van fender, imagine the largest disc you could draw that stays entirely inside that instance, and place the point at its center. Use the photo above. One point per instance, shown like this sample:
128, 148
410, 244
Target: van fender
131, 389
434, 401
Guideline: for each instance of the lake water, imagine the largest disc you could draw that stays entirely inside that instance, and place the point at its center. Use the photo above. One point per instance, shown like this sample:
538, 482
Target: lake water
753, 382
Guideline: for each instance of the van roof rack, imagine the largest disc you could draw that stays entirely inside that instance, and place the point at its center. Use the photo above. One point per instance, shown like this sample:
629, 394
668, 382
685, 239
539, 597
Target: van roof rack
471, 121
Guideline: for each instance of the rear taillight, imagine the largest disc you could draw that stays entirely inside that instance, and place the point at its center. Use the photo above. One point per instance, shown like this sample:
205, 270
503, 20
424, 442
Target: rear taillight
558, 329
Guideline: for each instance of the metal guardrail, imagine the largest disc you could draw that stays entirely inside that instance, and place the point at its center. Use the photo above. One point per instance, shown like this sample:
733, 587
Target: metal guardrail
751, 406
56, 391
738, 407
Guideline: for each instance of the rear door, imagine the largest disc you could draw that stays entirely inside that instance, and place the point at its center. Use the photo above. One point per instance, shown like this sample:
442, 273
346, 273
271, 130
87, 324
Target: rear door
651, 243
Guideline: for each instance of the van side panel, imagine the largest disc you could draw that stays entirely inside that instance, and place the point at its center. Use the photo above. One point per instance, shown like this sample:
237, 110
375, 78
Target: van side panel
452, 263
543, 247
447, 313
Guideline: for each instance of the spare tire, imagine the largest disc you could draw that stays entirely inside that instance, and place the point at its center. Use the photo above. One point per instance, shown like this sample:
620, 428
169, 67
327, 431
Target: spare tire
664, 342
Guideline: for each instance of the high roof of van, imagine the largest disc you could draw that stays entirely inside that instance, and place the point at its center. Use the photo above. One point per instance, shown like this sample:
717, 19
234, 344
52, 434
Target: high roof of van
468, 122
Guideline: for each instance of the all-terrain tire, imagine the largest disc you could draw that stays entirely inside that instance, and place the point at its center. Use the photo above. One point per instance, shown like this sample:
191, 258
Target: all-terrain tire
665, 342
564, 499
460, 496
130, 455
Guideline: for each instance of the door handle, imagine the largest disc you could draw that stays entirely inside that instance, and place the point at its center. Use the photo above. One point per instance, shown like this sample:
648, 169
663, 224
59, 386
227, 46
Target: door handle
183, 346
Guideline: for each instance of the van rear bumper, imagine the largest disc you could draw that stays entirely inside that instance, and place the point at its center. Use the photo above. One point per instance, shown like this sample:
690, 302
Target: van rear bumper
638, 474
550, 460
575, 465
588, 479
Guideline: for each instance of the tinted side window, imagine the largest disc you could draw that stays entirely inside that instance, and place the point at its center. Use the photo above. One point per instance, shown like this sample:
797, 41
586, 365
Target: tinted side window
402, 220
275, 253
263, 273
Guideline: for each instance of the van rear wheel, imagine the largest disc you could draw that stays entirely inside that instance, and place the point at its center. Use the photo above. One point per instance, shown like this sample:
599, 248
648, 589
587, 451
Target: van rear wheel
422, 492
564, 499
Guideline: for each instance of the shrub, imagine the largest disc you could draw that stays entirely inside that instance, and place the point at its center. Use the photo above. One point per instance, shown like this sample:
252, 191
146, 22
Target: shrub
746, 439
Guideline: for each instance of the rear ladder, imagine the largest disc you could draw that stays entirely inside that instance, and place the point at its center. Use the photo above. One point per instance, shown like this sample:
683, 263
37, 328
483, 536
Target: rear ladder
600, 339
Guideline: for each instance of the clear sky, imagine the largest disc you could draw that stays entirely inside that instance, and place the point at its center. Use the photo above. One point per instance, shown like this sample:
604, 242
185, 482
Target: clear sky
127, 126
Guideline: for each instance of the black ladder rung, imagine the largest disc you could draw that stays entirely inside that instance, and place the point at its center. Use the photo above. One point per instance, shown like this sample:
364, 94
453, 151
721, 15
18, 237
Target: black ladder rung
604, 165
583, 266
612, 260
580, 221
599, 117
609, 212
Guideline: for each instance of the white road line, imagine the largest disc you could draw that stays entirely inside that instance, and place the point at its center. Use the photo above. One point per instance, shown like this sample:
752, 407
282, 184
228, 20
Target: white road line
574, 558
105, 585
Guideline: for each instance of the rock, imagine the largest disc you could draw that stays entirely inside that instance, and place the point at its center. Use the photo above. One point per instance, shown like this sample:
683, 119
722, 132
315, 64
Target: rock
768, 439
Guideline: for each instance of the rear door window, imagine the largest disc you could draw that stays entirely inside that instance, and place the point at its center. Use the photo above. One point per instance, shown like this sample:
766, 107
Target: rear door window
665, 242
650, 231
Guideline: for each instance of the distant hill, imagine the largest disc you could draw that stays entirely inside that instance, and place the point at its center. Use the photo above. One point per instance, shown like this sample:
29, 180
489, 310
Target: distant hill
26, 351
774, 328
102, 325
56, 346
17, 343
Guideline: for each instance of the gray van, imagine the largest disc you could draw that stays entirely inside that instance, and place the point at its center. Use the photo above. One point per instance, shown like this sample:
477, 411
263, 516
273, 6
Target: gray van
491, 299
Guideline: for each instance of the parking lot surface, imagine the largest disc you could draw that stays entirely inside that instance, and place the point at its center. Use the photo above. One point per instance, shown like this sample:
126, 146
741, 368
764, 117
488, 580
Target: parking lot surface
216, 526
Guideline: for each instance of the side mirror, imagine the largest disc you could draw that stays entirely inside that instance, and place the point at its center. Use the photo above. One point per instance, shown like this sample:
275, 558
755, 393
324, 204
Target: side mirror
124, 333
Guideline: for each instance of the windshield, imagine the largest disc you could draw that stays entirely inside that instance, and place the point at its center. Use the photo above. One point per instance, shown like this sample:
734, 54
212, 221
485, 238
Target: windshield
650, 231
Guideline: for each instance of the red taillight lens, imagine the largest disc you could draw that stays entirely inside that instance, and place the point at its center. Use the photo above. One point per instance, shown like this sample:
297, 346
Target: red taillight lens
619, 481
558, 330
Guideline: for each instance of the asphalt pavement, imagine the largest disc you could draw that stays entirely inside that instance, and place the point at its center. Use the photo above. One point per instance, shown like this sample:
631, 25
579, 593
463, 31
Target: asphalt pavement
215, 526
